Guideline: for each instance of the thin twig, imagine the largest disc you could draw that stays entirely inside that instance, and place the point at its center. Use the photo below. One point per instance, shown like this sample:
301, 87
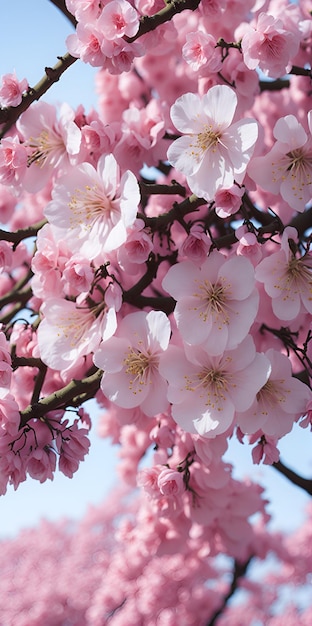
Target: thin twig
71, 395
304, 483
9, 116
239, 571
60, 4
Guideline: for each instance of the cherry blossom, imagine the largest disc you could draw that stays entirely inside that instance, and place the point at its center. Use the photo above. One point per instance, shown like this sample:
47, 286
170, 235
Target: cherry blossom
228, 201
248, 245
155, 259
118, 18
211, 142
70, 330
199, 51
130, 362
13, 162
85, 43
196, 245
51, 143
269, 46
11, 90
287, 279
216, 302
286, 168
206, 391
280, 402
94, 207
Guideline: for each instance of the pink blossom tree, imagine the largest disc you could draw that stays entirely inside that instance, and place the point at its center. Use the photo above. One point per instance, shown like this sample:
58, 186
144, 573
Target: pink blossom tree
155, 257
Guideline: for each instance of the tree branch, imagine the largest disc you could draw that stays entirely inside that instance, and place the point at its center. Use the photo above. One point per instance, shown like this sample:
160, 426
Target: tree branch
150, 22
60, 4
9, 116
239, 571
304, 483
73, 394
22, 233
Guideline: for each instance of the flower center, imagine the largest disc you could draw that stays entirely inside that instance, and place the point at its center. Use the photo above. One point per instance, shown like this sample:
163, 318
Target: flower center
75, 326
298, 276
87, 205
206, 140
139, 367
213, 300
211, 384
44, 146
118, 21
296, 165
271, 394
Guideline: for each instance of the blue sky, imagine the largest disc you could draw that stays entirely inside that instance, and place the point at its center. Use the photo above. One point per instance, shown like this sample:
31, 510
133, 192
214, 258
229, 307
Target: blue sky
32, 36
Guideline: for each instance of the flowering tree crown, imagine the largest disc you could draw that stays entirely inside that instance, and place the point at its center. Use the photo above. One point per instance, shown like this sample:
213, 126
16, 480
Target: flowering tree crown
155, 256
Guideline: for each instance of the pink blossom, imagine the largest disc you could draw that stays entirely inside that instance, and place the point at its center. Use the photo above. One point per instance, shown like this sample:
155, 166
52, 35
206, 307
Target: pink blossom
6, 256
287, 279
119, 54
52, 144
170, 482
86, 43
211, 143
13, 161
84, 10
287, 167
148, 479
70, 330
206, 391
141, 140
73, 448
7, 203
118, 19
77, 276
162, 436
94, 208
11, 90
47, 264
41, 464
5, 354
248, 245
269, 46
307, 419
196, 245
216, 303
228, 201
130, 362
200, 51
9, 415
5, 377
266, 449
280, 402
246, 81
137, 248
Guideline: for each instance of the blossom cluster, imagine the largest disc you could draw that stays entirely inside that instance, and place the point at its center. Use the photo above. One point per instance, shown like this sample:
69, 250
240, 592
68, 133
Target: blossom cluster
171, 277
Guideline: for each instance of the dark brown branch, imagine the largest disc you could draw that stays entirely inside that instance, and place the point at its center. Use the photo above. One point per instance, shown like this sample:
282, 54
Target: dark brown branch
302, 221
60, 4
9, 116
175, 188
73, 394
176, 213
150, 22
240, 570
274, 85
18, 299
303, 483
300, 71
22, 233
